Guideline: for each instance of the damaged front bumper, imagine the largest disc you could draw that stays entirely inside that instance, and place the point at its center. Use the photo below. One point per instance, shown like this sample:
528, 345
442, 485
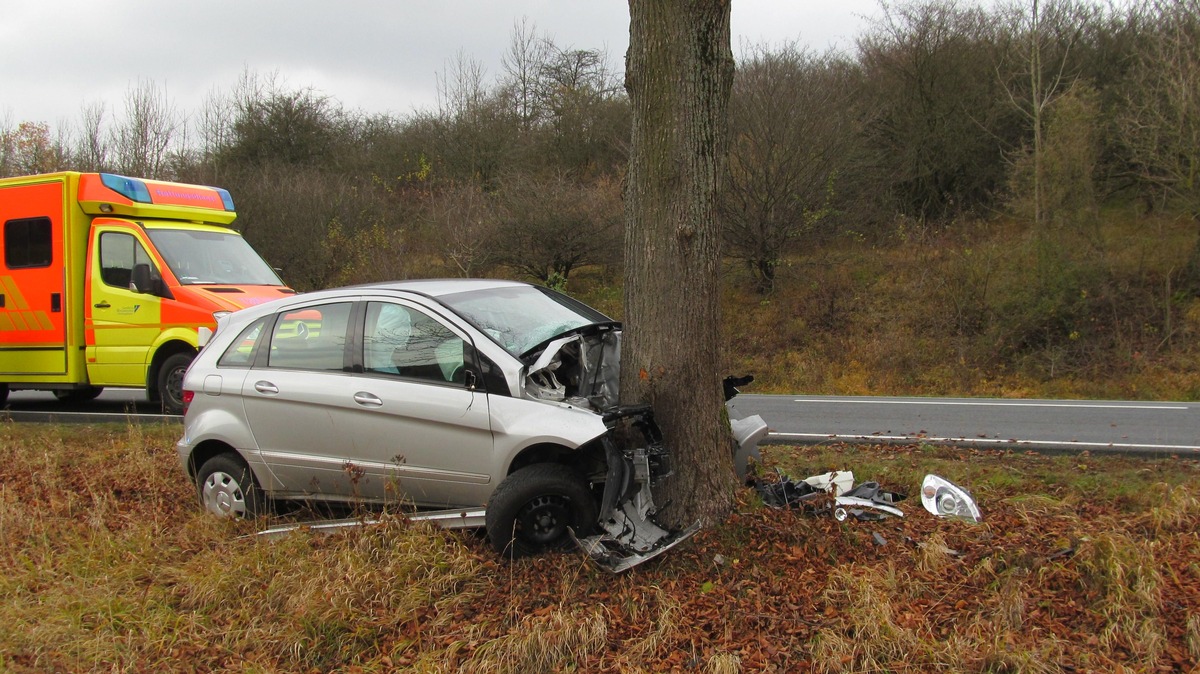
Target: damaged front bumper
636, 461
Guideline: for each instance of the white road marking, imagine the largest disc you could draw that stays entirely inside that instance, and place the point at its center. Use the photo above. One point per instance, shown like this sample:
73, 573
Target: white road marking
981, 441
982, 403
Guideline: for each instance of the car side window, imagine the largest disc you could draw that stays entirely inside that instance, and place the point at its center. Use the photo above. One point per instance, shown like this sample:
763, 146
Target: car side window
407, 342
312, 338
241, 350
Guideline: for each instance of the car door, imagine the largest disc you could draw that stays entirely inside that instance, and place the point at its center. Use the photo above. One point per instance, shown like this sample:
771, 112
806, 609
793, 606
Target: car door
122, 322
421, 429
291, 397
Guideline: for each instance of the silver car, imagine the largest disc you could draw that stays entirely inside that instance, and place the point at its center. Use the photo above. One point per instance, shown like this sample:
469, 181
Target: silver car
446, 394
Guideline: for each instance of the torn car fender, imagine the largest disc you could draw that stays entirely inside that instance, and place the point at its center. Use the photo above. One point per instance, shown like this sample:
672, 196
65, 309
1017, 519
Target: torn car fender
544, 421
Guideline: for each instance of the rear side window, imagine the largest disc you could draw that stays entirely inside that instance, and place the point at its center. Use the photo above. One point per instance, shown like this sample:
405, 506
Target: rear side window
313, 338
28, 243
241, 352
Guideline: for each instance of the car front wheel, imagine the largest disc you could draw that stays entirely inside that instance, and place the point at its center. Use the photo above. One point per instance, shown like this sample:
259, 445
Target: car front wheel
227, 487
532, 508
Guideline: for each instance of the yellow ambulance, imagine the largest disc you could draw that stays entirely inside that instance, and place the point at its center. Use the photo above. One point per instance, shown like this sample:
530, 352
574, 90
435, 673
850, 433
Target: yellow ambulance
110, 281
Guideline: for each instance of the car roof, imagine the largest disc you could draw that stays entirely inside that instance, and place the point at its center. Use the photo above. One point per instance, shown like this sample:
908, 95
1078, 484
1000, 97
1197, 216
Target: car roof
438, 287
427, 287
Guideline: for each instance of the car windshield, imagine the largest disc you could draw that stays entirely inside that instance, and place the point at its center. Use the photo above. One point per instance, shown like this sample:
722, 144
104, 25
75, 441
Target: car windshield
522, 317
206, 257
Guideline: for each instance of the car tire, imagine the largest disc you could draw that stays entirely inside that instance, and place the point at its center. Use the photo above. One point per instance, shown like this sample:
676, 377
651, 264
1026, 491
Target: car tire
78, 395
531, 509
170, 382
227, 488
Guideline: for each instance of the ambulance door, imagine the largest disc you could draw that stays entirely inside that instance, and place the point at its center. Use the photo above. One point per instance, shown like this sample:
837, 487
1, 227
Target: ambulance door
123, 320
33, 338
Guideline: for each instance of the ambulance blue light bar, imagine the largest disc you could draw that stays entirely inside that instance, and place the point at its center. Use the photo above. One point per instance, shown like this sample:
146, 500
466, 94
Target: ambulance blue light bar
174, 194
130, 188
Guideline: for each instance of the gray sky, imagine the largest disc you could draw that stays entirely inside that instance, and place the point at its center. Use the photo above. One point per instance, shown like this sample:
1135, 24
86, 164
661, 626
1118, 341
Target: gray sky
371, 55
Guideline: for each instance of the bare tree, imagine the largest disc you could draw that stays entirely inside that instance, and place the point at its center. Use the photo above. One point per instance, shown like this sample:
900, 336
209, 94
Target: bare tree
679, 71
789, 147
929, 83
142, 139
551, 225
92, 146
463, 222
8, 146
522, 64
1161, 119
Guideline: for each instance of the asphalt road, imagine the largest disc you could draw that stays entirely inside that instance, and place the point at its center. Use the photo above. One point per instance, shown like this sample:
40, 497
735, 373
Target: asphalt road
1072, 425
1066, 425
113, 405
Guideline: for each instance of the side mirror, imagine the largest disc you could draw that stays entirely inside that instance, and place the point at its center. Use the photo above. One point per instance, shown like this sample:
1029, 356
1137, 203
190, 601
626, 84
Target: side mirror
140, 281
143, 282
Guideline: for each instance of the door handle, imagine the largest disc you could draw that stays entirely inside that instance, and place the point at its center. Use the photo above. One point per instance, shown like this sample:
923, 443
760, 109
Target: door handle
102, 304
266, 387
367, 399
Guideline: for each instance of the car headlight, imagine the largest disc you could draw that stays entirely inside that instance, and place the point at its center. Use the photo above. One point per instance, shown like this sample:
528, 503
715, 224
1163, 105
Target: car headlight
946, 499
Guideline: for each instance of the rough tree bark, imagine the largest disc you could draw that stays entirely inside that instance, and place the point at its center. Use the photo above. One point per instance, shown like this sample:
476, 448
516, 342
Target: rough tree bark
679, 71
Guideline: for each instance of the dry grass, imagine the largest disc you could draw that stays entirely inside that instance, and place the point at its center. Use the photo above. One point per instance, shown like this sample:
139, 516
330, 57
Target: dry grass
953, 312
107, 564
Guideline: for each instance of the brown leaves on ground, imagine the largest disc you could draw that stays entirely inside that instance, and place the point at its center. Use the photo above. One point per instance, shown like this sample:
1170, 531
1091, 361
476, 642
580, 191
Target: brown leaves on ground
1082, 563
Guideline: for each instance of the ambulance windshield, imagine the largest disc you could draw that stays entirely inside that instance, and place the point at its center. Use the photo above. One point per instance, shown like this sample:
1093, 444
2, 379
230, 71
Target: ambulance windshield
206, 257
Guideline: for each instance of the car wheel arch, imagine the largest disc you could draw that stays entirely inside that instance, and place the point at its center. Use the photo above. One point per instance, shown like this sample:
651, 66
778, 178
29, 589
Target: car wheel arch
581, 459
206, 450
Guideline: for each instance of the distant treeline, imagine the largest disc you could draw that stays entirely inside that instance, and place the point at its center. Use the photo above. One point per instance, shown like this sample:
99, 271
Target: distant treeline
942, 112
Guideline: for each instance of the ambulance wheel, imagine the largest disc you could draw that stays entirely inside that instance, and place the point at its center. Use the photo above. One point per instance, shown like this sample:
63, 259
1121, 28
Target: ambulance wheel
3, 394
78, 395
170, 382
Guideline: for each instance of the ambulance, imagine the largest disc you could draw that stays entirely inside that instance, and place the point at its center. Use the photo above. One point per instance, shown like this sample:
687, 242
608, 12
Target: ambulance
110, 281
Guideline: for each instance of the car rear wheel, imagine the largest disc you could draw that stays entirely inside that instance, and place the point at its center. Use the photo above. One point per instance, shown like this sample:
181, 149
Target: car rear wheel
532, 508
227, 487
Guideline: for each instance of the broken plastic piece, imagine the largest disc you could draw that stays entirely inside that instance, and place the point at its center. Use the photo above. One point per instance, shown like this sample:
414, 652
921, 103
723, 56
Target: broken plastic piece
614, 557
865, 509
747, 433
837, 481
946, 499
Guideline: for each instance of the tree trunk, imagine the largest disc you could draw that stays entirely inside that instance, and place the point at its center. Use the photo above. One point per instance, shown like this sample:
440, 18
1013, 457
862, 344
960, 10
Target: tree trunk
679, 71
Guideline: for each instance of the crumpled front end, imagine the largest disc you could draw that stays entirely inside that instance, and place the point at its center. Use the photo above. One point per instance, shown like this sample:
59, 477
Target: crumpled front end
583, 370
637, 461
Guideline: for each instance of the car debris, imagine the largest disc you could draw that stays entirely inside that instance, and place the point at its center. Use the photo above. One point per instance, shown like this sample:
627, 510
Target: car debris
946, 499
832, 493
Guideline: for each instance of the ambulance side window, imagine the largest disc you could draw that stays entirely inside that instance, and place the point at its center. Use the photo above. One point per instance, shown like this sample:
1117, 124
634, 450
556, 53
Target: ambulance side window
27, 243
119, 252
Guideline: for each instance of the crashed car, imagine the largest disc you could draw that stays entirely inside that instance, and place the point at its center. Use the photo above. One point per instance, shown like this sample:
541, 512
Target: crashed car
490, 402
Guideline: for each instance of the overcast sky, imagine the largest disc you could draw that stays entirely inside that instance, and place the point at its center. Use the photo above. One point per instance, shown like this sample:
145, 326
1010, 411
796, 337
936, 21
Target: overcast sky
378, 56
